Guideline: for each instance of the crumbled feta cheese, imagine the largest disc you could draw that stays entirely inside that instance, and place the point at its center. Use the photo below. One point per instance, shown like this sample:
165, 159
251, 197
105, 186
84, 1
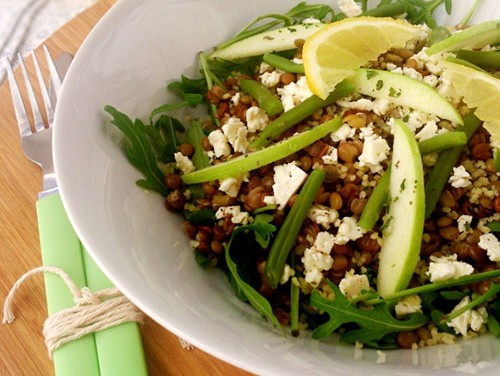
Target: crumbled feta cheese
287, 180
236, 133
348, 230
219, 143
464, 222
270, 79
434, 63
408, 305
269, 200
381, 357
460, 178
490, 243
317, 258
375, 151
294, 93
429, 130
236, 99
323, 215
184, 163
352, 285
343, 133
264, 67
470, 318
313, 277
323, 242
447, 267
231, 186
288, 272
381, 106
417, 119
362, 104
237, 216
331, 156
349, 7
431, 80
257, 119
311, 20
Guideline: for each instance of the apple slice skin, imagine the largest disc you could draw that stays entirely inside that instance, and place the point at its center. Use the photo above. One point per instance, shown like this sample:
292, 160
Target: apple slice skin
476, 36
403, 231
404, 91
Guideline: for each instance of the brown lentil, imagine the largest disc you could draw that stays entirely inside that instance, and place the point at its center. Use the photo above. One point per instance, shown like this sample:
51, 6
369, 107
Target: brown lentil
340, 263
447, 200
331, 174
405, 340
367, 244
205, 143
335, 201
449, 232
216, 247
347, 151
189, 229
481, 152
482, 287
444, 221
358, 120
186, 149
173, 181
496, 204
209, 189
255, 199
287, 78
175, 201
476, 253
215, 94
357, 206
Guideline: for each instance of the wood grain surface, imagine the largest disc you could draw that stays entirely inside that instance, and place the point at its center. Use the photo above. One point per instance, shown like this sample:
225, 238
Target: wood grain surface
22, 348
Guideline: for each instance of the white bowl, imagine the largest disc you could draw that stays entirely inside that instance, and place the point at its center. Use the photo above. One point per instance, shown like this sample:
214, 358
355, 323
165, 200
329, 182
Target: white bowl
132, 53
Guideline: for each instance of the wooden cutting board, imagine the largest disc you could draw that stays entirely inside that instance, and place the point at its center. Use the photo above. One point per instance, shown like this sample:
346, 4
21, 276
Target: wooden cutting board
22, 348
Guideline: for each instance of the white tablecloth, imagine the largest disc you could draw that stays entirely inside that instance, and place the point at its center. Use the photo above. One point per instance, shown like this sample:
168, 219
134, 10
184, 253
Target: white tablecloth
25, 24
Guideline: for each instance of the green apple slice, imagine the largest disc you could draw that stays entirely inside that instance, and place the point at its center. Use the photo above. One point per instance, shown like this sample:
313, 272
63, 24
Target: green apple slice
404, 221
404, 91
269, 41
476, 36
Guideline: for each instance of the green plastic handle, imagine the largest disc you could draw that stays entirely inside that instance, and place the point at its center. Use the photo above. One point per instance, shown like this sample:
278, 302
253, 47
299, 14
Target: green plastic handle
114, 351
119, 348
61, 248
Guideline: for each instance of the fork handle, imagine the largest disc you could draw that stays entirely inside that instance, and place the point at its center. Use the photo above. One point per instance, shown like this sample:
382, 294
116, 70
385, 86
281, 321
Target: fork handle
61, 248
114, 351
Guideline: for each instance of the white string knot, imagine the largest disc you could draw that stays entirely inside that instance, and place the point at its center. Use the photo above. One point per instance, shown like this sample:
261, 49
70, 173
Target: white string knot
93, 311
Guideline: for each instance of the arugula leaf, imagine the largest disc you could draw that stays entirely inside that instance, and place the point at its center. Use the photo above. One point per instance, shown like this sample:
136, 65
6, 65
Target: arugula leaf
163, 137
139, 150
374, 323
453, 295
264, 237
494, 226
201, 217
493, 322
194, 136
259, 302
201, 258
294, 15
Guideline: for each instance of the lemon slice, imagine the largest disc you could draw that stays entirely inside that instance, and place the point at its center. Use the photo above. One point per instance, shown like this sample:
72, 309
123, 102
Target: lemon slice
335, 51
481, 91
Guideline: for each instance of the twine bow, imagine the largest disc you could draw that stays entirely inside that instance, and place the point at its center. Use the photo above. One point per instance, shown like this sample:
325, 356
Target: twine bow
93, 311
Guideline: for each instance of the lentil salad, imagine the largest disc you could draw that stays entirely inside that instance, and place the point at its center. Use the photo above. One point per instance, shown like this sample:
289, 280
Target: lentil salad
321, 193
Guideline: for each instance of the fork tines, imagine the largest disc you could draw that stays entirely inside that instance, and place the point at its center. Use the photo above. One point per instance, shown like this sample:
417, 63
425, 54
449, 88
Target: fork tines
20, 109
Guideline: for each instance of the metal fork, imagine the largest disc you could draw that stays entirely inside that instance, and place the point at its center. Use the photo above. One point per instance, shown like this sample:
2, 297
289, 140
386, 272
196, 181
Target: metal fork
37, 140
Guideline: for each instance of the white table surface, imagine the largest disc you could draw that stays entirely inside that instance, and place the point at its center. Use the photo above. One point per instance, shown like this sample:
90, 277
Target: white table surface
25, 24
